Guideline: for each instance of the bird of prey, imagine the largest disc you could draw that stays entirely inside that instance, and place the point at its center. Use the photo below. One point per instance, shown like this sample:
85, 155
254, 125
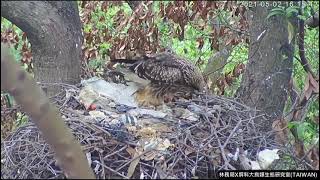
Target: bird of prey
169, 76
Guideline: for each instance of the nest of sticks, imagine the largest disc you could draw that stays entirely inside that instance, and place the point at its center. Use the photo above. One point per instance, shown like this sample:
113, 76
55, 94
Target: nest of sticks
197, 148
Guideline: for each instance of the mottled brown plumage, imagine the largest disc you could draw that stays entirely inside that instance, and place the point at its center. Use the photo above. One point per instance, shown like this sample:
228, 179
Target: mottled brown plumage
169, 76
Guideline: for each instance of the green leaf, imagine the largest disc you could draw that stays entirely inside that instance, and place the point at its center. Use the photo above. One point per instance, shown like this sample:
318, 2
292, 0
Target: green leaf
25, 66
126, 8
276, 11
302, 17
291, 10
290, 32
301, 130
22, 119
292, 125
10, 99
87, 28
105, 46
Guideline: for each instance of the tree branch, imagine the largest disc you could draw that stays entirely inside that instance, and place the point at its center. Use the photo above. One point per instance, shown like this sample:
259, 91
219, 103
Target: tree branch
303, 59
46, 116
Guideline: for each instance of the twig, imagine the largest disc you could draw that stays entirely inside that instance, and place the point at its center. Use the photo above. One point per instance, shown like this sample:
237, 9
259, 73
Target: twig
116, 152
304, 62
114, 171
145, 152
222, 152
231, 134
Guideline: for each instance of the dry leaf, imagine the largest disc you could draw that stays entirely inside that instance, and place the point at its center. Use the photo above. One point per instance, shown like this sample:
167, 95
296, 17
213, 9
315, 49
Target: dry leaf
147, 132
149, 156
311, 86
133, 165
131, 151
164, 145
280, 126
316, 119
299, 149
188, 151
314, 83
314, 157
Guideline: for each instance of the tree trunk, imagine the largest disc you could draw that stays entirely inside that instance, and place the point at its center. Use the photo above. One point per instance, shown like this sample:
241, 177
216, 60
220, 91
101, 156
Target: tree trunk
265, 82
54, 31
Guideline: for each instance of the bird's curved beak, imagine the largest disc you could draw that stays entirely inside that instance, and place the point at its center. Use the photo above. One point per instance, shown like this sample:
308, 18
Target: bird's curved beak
206, 89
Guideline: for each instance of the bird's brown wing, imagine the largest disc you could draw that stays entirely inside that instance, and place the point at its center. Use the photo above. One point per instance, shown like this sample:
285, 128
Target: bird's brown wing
165, 69
162, 69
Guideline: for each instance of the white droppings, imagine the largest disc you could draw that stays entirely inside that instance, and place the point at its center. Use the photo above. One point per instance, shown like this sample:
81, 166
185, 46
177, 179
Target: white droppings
263, 32
60, 52
268, 78
76, 45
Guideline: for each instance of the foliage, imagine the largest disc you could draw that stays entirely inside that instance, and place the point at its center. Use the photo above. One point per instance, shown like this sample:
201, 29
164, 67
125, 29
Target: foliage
194, 38
239, 55
12, 35
284, 11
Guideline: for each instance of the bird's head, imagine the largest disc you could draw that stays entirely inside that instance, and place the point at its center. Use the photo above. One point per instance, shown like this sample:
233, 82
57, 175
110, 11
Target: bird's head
202, 85
205, 88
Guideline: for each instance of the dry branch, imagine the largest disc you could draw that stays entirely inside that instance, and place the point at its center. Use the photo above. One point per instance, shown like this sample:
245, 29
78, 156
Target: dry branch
196, 152
47, 118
